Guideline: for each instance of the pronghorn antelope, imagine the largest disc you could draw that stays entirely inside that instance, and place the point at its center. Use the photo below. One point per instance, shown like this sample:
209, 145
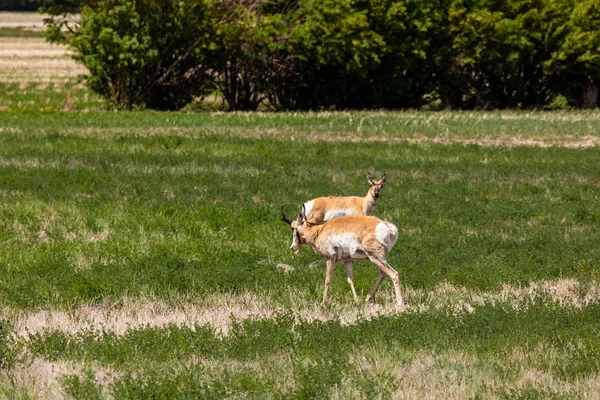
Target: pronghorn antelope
348, 238
323, 209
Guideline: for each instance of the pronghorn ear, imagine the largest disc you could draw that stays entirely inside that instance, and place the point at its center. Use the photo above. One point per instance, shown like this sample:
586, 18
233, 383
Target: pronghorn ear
301, 215
383, 179
369, 177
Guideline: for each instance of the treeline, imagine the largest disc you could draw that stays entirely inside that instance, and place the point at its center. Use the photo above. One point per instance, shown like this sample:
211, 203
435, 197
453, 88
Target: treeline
337, 54
25, 5
20, 5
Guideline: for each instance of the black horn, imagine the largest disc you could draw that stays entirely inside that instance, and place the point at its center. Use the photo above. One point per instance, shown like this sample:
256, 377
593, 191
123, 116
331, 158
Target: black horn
284, 217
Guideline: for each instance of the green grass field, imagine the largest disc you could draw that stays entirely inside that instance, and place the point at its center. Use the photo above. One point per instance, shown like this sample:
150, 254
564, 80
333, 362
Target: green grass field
142, 256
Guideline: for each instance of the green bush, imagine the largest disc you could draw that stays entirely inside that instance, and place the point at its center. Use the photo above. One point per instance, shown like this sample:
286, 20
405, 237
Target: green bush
500, 50
575, 65
342, 54
415, 55
248, 51
325, 50
21, 5
155, 54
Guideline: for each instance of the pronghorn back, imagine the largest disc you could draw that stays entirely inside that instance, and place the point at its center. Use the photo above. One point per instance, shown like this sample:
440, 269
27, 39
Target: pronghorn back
324, 209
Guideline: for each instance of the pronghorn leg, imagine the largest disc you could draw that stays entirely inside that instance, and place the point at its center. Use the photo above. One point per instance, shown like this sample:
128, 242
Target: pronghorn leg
351, 278
393, 274
328, 276
371, 295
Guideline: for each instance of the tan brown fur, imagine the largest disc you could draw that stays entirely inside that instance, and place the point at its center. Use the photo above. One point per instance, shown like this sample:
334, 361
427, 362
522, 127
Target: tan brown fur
322, 205
317, 210
362, 225
345, 239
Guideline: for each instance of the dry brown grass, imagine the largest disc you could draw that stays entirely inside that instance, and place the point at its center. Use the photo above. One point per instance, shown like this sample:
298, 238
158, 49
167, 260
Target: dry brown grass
216, 311
219, 310
40, 379
453, 375
18, 47
354, 117
426, 376
32, 60
413, 375
567, 141
28, 20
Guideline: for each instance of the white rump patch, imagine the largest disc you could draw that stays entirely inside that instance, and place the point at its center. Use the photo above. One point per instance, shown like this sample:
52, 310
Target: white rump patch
387, 234
342, 212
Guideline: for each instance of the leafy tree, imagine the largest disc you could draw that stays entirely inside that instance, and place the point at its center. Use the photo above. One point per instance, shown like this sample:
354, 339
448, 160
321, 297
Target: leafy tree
322, 54
21, 5
416, 50
500, 47
328, 48
575, 65
248, 51
146, 53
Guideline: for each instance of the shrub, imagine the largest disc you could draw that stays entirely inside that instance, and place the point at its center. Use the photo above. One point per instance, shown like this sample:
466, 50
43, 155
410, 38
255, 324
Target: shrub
146, 53
500, 48
575, 65
416, 51
250, 39
322, 54
21, 5
333, 49
309, 54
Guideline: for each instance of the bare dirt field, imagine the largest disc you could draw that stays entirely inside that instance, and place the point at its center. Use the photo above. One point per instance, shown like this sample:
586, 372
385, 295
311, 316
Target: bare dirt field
28, 20
32, 60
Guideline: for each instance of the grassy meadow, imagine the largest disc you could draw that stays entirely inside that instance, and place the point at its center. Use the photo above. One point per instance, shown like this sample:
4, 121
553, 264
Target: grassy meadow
142, 256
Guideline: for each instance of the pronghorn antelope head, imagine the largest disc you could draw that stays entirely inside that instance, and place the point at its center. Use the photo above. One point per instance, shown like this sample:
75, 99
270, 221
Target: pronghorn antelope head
375, 185
297, 239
